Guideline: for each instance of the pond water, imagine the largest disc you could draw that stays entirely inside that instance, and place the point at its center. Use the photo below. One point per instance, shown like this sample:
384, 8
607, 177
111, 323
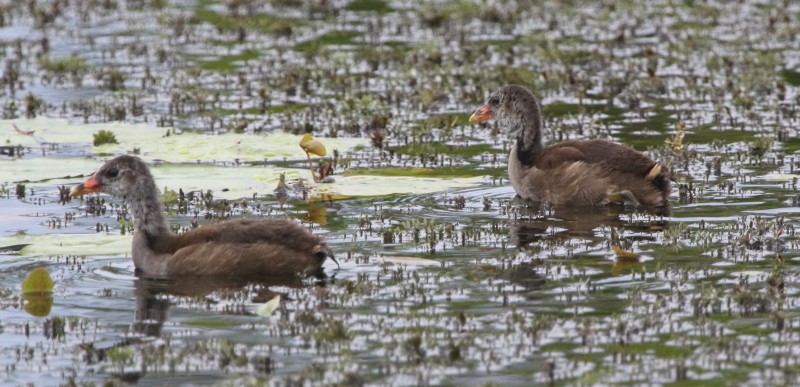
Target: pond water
445, 278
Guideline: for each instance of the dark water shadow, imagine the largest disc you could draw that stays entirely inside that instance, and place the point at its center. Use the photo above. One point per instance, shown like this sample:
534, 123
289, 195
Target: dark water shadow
536, 221
155, 296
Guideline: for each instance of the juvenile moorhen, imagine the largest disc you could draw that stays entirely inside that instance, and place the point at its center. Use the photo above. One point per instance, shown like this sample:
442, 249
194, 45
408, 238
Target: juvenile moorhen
588, 172
238, 248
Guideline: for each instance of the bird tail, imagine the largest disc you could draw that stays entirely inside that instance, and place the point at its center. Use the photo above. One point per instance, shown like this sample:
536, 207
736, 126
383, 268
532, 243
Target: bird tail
654, 172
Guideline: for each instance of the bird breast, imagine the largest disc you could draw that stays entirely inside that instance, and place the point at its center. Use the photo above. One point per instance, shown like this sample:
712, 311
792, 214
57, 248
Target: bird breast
516, 171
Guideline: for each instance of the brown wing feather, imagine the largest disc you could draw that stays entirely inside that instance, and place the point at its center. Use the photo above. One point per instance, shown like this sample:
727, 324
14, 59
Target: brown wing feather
580, 183
237, 259
554, 156
607, 166
618, 157
277, 232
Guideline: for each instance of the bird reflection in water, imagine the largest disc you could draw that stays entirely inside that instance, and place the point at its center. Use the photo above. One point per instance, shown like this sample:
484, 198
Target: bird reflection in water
535, 221
154, 296
534, 225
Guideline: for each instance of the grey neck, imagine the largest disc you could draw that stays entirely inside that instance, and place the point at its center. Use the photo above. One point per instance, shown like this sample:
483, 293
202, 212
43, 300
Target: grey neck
148, 216
528, 126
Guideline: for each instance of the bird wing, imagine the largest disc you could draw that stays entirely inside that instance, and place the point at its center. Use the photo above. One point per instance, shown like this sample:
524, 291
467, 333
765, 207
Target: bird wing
615, 157
227, 259
276, 232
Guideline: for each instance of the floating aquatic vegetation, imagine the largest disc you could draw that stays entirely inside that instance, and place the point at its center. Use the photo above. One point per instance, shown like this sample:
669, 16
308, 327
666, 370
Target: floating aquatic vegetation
269, 307
514, 293
69, 244
38, 282
37, 291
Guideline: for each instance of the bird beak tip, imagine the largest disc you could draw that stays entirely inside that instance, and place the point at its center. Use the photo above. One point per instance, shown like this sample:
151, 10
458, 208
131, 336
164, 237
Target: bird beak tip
78, 190
481, 115
91, 185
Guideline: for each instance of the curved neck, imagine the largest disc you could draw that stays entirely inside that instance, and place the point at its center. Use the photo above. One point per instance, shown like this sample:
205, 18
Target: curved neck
528, 126
148, 215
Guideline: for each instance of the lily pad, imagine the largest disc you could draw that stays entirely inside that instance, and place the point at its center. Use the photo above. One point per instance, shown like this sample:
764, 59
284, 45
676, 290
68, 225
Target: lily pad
232, 182
409, 261
239, 182
269, 307
154, 144
49, 169
365, 185
70, 244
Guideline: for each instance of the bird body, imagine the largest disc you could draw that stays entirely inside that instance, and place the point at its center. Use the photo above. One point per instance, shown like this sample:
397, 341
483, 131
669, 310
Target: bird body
237, 248
589, 172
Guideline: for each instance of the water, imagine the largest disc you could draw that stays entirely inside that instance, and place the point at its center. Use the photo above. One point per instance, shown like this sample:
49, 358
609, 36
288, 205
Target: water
501, 291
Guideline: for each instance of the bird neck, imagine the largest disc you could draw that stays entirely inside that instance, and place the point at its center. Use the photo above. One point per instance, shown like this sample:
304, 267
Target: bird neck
148, 215
528, 127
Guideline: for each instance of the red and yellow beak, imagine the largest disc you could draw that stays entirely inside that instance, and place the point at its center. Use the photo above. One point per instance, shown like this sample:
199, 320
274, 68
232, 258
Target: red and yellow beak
481, 115
89, 186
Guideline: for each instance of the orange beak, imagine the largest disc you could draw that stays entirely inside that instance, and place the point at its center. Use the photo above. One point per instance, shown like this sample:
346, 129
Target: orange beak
89, 186
481, 115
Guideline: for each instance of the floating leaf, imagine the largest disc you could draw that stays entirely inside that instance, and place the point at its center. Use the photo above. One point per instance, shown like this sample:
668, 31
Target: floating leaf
69, 244
269, 307
38, 305
365, 185
37, 289
13, 248
411, 261
227, 182
779, 176
188, 147
38, 282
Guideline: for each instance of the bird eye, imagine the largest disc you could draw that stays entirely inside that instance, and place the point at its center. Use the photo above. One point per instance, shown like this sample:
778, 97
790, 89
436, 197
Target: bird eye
494, 100
112, 173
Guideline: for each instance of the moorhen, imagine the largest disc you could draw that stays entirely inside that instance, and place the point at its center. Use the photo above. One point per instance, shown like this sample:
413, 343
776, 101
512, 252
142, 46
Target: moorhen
238, 248
587, 172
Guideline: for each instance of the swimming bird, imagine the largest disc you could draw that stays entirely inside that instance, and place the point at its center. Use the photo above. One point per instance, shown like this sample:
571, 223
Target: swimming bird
238, 248
584, 172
